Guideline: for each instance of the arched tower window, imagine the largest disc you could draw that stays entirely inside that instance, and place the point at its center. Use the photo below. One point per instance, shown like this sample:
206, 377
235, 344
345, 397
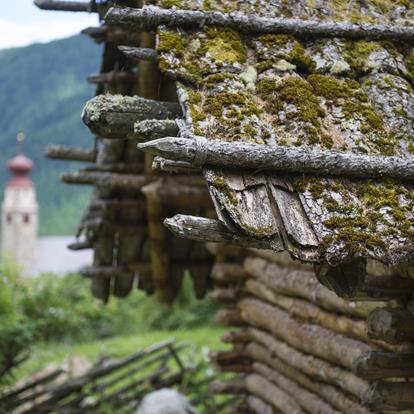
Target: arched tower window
9, 218
26, 218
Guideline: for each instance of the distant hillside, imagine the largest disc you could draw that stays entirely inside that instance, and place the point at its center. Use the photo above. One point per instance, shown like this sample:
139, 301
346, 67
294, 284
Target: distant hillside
42, 92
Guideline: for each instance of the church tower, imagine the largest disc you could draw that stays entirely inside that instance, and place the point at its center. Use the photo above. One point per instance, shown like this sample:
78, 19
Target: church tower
20, 212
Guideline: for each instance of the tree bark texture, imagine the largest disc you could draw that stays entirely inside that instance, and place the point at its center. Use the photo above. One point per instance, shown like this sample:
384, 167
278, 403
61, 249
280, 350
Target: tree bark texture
304, 285
396, 396
150, 17
312, 339
261, 387
309, 312
338, 400
241, 155
311, 366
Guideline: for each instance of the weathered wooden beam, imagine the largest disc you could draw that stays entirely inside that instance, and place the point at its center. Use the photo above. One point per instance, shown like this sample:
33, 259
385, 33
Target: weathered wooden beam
237, 154
155, 128
80, 245
383, 396
209, 230
112, 271
139, 53
173, 167
114, 116
63, 152
391, 325
229, 317
113, 76
170, 193
150, 17
229, 273
379, 365
105, 179
58, 5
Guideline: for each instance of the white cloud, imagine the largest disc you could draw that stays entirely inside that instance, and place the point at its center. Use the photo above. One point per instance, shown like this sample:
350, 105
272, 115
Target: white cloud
13, 34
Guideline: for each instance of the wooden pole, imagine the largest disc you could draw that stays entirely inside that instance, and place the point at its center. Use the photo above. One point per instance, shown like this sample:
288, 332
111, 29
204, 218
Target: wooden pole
321, 386
241, 155
117, 181
150, 17
309, 338
71, 6
139, 53
313, 367
303, 284
61, 152
209, 230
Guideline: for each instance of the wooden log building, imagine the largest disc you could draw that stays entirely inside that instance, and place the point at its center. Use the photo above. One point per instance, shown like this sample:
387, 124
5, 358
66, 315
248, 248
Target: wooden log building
283, 136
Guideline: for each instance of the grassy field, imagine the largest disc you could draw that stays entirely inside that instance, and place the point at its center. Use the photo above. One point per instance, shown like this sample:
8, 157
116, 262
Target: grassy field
47, 353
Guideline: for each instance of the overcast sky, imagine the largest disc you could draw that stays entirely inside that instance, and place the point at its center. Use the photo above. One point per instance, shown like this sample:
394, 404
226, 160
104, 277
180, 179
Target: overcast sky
22, 23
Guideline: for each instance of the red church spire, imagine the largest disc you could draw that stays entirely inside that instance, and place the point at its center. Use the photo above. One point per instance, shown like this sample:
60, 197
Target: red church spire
20, 166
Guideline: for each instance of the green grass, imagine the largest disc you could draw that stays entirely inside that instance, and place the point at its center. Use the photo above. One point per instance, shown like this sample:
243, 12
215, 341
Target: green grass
44, 354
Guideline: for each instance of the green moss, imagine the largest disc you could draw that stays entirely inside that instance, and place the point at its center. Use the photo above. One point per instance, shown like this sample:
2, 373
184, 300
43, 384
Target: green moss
167, 4
171, 42
411, 148
211, 80
304, 63
220, 184
356, 54
224, 45
409, 62
275, 40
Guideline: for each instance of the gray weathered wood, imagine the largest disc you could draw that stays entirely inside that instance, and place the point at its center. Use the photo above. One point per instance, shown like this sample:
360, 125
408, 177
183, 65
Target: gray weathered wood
392, 325
72, 6
209, 230
139, 53
379, 365
155, 128
105, 179
200, 151
63, 152
114, 116
151, 16
113, 76
384, 396
174, 167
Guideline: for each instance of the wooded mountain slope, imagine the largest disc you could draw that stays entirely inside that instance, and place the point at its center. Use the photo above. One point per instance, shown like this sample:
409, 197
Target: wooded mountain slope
42, 92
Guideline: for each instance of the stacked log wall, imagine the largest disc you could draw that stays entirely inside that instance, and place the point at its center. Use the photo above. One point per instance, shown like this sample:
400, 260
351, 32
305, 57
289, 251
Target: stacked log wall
297, 347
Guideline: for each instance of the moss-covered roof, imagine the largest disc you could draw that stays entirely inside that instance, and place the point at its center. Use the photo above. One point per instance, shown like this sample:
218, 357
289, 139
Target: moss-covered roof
346, 95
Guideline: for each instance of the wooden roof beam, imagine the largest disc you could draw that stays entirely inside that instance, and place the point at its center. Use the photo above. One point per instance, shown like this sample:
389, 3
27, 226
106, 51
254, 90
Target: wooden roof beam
71, 6
238, 154
149, 17
63, 152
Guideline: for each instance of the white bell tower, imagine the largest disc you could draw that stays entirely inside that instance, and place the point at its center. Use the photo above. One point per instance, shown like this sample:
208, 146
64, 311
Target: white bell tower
19, 220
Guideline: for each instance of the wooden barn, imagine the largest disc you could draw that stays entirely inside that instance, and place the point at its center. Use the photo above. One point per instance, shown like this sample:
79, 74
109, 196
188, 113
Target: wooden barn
276, 140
